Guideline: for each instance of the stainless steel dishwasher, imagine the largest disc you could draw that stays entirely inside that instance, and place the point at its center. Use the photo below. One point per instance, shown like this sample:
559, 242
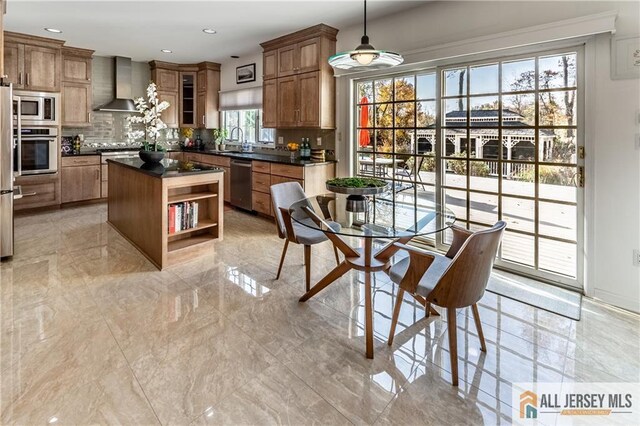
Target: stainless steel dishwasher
241, 184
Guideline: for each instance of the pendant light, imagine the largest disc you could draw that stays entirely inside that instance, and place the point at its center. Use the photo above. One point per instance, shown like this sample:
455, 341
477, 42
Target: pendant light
365, 56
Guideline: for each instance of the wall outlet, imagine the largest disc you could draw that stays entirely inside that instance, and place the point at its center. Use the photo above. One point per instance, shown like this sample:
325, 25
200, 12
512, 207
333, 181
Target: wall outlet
319, 141
280, 140
636, 258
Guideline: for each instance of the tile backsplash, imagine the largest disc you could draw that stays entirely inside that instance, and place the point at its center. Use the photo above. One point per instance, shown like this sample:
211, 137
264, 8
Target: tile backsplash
111, 129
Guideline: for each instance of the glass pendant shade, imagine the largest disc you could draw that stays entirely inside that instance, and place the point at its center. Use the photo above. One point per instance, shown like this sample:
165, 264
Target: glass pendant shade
365, 57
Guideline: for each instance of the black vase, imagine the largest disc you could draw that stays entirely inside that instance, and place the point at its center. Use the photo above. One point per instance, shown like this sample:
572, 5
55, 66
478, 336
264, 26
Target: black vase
151, 156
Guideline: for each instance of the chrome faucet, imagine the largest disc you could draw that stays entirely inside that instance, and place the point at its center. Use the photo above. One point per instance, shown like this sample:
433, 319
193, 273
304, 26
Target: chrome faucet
240, 135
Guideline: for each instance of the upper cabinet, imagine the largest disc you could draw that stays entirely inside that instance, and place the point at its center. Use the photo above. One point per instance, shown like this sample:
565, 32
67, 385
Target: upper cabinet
76, 87
191, 90
76, 64
208, 112
32, 63
167, 78
187, 99
298, 83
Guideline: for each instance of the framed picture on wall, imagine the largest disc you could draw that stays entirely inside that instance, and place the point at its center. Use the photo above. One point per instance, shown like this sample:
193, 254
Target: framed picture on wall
625, 57
246, 73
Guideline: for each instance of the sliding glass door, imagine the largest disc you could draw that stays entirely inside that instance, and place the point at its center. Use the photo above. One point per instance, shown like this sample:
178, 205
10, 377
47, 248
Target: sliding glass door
496, 140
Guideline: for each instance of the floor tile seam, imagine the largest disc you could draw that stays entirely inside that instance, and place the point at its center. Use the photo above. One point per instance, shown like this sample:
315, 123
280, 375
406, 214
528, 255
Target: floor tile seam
439, 369
417, 365
155, 414
519, 337
470, 383
246, 382
565, 375
284, 364
124, 356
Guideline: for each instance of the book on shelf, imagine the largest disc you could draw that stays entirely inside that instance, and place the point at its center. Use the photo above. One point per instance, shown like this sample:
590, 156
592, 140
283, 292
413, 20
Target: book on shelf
182, 216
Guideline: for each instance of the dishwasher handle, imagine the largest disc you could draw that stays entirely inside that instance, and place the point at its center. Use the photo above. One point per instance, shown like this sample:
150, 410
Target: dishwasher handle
241, 163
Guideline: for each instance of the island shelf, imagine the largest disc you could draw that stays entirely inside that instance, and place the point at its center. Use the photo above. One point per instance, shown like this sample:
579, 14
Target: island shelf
140, 198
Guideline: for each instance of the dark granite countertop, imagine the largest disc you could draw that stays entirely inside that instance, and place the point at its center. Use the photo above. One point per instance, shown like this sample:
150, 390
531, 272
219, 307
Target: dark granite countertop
270, 158
166, 168
81, 153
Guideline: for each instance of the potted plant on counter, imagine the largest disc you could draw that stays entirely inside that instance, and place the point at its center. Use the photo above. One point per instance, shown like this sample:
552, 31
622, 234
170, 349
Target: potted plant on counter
219, 136
149, 110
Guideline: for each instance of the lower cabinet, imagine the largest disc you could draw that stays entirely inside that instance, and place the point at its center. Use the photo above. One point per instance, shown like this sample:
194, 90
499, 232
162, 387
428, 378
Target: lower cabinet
261, 203
80, 178
37, 194
260, 185
215, 160
104, 191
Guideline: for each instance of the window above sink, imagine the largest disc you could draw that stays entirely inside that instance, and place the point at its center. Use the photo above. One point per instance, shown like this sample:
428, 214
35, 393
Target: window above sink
250, 121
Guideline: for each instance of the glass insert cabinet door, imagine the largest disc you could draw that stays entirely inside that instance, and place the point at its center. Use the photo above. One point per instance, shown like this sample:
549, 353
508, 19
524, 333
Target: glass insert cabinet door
188, 99
493, 140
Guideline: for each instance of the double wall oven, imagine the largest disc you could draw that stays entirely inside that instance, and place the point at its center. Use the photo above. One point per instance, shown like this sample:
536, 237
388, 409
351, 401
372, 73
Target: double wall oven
36, 132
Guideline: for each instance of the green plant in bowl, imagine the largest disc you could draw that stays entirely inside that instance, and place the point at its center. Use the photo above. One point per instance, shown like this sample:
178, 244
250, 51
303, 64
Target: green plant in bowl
356, 182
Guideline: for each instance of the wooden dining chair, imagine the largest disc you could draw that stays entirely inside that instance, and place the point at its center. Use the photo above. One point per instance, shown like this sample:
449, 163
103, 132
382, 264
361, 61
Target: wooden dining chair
456, 280
283, 195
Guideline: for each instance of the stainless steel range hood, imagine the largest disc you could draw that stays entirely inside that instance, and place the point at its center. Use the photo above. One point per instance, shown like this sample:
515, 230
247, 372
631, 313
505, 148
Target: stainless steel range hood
122, 101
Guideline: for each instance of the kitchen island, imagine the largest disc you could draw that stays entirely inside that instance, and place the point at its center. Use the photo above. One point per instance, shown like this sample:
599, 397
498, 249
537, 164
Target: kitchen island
170, 211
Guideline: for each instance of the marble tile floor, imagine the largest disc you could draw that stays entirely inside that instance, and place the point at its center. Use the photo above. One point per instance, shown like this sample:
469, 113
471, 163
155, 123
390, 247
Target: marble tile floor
92, 333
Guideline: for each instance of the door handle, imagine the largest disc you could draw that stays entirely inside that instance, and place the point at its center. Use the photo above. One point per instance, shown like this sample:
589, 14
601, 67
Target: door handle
20, 78
203, 120
97, 174
28, 82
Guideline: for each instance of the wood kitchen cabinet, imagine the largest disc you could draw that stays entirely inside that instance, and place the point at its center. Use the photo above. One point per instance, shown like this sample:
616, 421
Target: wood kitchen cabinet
208, 113
225, 164
264, 174
299, 87
31, 62
76, 87
167, 78
76, 65
80, 178
270, 103
269, 65
187, 99
191, 90
300, 102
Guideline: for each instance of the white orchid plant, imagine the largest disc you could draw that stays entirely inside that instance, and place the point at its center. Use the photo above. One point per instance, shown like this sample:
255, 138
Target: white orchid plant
150, 110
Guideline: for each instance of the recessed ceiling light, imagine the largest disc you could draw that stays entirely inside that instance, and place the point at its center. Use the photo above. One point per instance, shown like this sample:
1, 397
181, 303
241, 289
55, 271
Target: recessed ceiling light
53, 30
209, 31
166, 51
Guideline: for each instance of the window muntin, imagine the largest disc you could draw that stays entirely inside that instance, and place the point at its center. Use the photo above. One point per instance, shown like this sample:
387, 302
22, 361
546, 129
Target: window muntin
508, 142
250, 121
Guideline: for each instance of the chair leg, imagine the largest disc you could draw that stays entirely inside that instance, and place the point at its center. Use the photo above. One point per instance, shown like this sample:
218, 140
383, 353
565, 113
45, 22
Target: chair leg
396, 314
335, 251
453, 344
284, 253
476, 318
307, 267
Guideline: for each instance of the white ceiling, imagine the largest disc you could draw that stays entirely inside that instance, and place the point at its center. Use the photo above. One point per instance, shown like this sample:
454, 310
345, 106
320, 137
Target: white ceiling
140, 29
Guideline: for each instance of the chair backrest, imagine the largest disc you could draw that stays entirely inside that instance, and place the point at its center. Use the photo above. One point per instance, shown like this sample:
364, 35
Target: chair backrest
417, 165
283, 195
465, 281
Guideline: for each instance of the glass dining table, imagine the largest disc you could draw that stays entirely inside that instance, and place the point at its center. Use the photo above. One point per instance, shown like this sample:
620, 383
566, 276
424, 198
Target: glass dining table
388, 218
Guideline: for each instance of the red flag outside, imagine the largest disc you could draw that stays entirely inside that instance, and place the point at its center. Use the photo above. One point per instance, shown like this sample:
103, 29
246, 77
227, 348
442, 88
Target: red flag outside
364, 122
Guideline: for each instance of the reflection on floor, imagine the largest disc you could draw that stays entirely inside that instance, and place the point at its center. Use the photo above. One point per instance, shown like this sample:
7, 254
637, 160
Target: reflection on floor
93, 333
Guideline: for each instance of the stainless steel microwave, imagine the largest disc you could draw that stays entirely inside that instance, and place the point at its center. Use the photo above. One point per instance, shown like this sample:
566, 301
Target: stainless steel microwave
37, 108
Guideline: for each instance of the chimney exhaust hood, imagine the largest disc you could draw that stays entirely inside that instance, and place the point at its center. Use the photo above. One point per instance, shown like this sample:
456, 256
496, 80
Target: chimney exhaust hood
122, 101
